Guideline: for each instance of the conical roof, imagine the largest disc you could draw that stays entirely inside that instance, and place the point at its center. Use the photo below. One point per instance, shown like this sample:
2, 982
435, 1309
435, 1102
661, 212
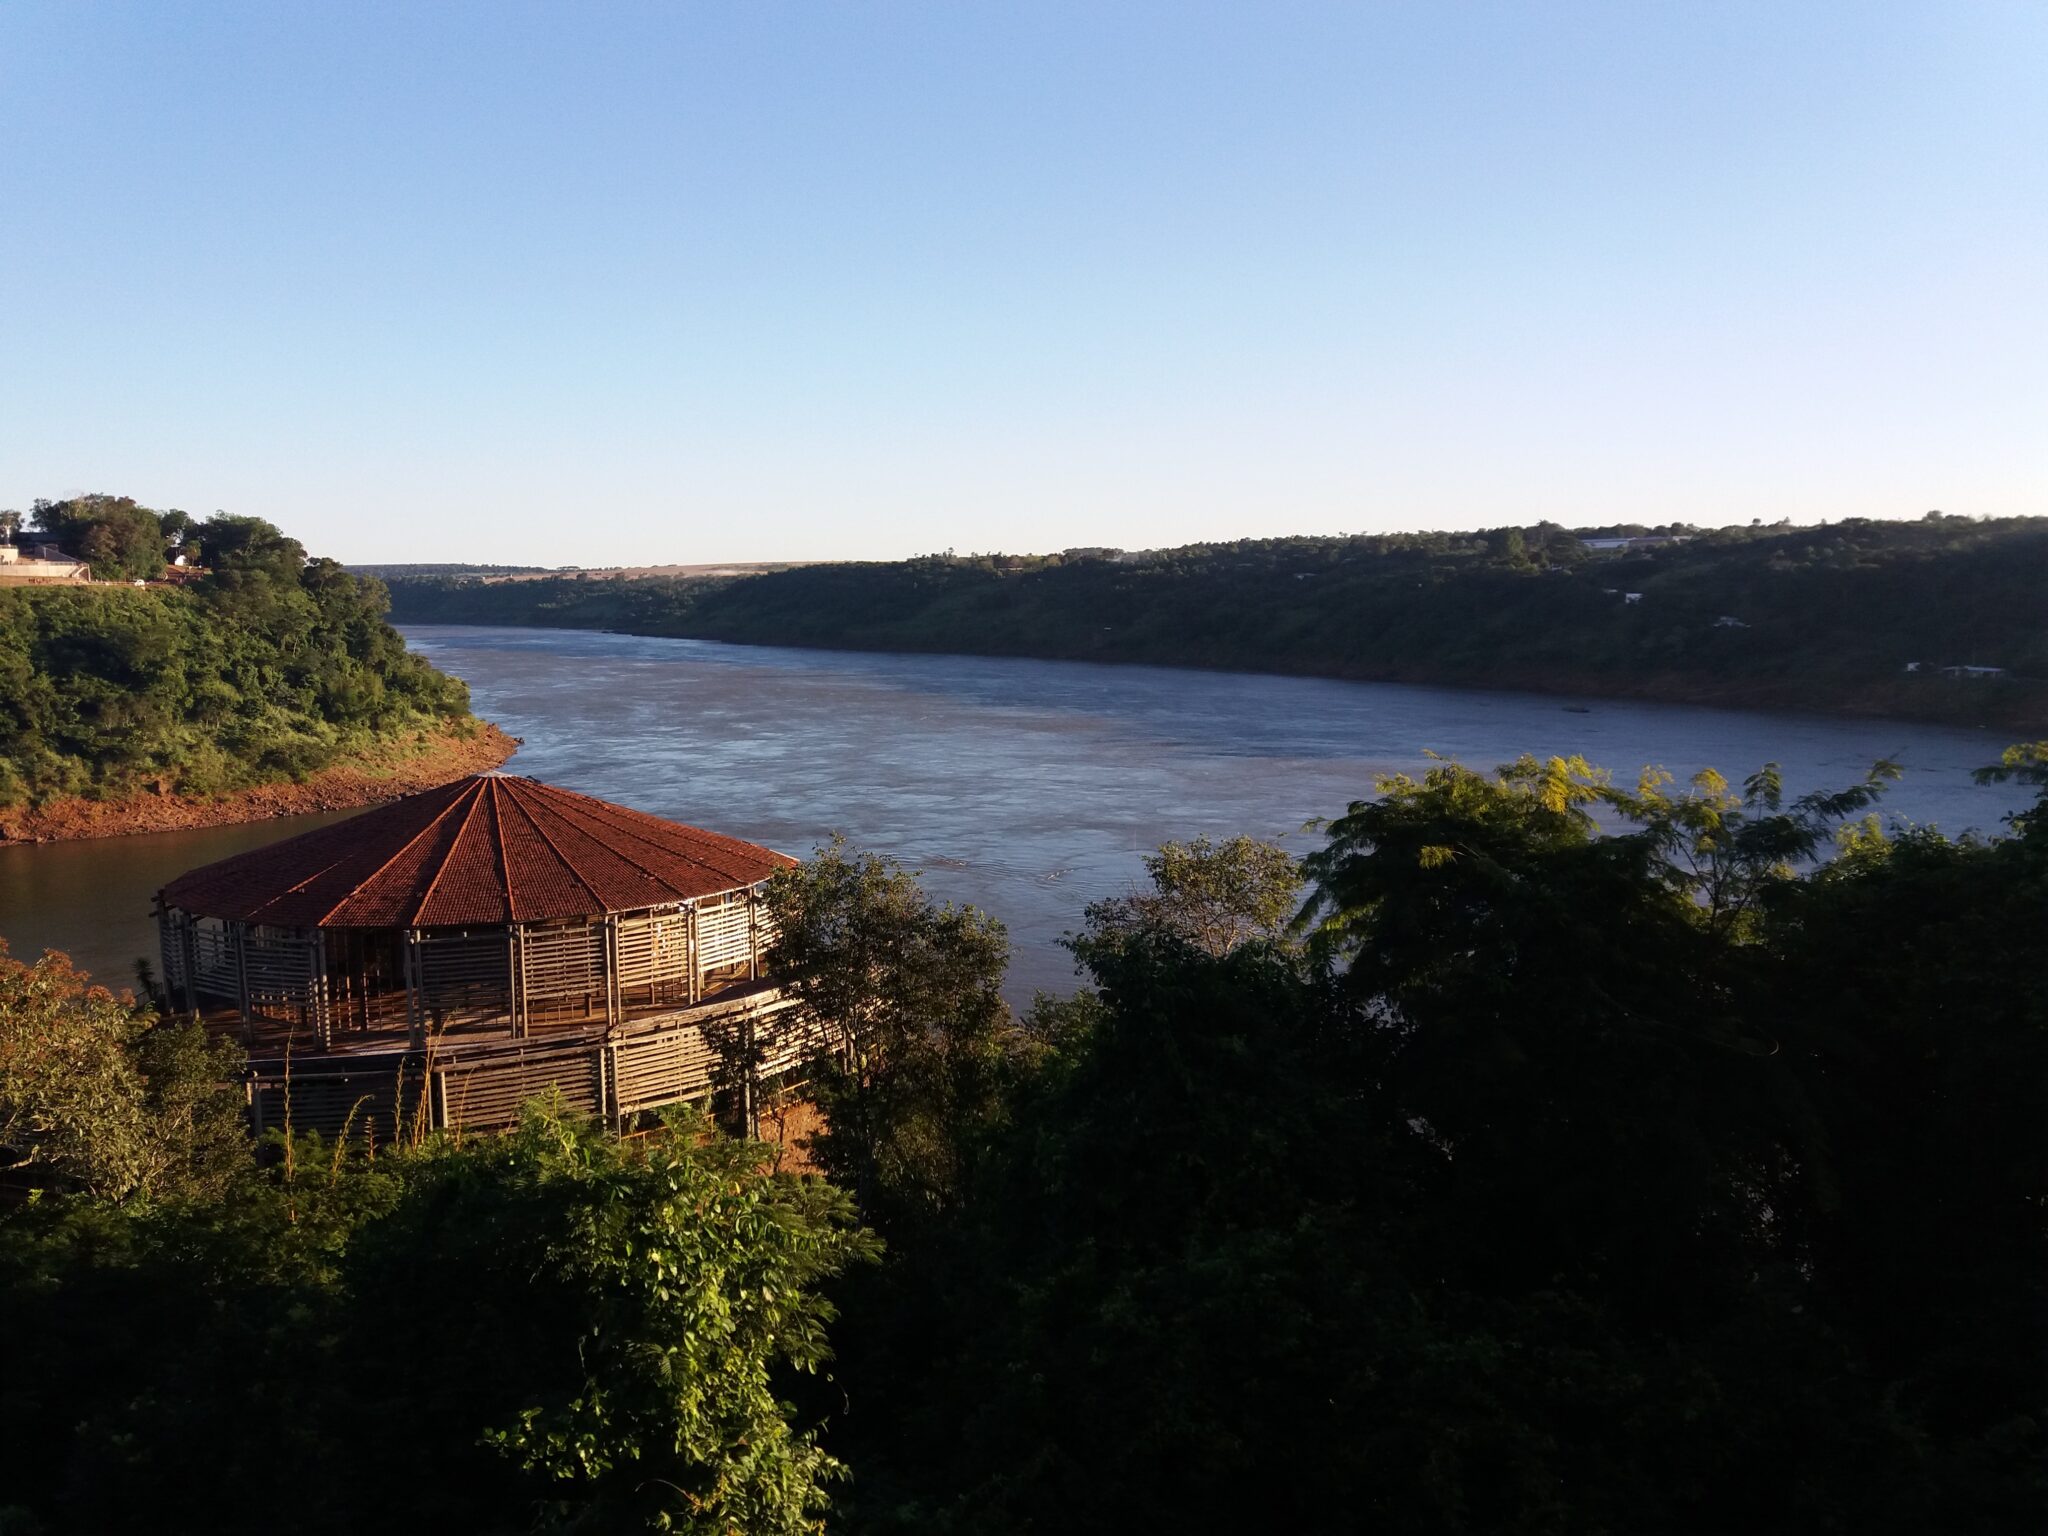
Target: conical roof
487, 849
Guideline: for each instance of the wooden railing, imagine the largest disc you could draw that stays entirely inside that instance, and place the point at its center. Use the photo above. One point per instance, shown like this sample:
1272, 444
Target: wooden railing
733, 1044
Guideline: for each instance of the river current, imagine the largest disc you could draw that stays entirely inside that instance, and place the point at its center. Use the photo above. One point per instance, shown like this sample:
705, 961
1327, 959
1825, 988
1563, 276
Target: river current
1028, 788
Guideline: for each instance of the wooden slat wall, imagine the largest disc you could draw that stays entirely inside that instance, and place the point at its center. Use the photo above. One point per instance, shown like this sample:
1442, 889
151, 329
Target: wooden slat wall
654, 1070
654, 957
173, 929
487, 1093
466, 975
214, 956
372, 1100
477, 1087
283, 973
565, 973
725, 940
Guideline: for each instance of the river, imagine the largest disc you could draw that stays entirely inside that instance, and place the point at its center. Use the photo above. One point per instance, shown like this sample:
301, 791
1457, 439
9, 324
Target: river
1029, 788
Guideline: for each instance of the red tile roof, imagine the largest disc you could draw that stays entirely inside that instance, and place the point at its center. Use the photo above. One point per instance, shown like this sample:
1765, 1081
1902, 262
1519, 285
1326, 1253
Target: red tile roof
487, 849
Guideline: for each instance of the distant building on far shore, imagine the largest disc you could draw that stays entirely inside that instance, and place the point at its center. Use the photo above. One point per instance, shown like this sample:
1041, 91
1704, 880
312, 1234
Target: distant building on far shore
1636, 541
38, 564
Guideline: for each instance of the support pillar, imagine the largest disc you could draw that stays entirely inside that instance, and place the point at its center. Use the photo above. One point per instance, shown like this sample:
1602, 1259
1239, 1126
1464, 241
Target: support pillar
415, 991
519, 1020
316, 991
188, 937
614, 1008
753, 936
240, 932
696, 993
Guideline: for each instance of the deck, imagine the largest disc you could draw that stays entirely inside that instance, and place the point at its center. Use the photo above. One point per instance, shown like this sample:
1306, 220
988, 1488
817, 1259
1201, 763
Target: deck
375, 1085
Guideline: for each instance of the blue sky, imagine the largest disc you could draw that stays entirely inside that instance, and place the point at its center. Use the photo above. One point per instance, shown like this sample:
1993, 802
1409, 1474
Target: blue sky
605, 284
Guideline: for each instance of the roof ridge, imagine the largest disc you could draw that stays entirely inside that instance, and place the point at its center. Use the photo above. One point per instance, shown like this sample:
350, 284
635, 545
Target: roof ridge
591, 806
447, 858
504, 859
567, 862
619, 853
432, 822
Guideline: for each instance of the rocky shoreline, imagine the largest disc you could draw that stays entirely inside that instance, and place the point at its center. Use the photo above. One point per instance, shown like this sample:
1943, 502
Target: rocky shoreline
416, 761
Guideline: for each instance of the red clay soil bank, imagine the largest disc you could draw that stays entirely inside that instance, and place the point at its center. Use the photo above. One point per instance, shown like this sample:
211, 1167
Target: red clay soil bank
414, 762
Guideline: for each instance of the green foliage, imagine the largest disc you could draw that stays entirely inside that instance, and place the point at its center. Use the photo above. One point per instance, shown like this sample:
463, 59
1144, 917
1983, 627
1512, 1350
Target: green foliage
926, 1043
1216, 896
96, 1095
270, 667
555, 1330
1827, 617
120, 540
1562, 1182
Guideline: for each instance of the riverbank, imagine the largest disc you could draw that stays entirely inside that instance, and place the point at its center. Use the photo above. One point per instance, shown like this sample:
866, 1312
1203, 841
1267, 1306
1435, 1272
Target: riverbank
1936, 620
412, 761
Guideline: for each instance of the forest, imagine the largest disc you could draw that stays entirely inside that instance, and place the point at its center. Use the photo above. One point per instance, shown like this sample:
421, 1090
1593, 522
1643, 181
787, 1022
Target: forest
1543, 1153
1826, 617
266, 665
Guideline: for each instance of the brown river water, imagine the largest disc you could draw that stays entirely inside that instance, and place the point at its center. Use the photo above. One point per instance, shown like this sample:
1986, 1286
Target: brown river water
1028, 788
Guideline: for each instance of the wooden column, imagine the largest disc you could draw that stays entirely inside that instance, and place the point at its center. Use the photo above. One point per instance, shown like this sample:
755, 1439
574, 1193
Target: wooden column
519, 1024
415, 990
750, 1075
188, 935
696, 992
240, 930
316, 992
613, 1007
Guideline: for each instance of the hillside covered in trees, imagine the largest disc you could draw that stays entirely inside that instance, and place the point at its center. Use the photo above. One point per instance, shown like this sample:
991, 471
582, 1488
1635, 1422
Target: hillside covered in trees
264, 666
1482, 1174
1824, 618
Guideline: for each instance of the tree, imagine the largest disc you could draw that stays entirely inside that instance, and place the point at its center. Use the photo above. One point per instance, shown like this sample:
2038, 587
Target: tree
1216, 896
924, 1038
641, 1301
119, 539
1566, 1179
100, 1097
552, 1330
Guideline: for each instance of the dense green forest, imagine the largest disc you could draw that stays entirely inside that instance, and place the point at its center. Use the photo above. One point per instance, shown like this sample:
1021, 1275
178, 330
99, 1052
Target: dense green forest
1824, 617
266, 666
1483, 1173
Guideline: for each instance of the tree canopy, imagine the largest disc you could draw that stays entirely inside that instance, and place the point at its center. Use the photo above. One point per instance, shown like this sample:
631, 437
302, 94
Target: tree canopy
1580, 1157
1825, 617
270, 666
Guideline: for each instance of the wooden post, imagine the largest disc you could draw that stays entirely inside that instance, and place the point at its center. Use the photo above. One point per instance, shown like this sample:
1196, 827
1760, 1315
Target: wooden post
750, 1072
753, 937
240, 930
613, 1006
316, 988
696, 991
188, 935
415, 990
519, 1023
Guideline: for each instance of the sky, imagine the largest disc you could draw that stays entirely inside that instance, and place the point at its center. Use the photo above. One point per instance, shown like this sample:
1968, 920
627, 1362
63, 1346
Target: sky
606, 284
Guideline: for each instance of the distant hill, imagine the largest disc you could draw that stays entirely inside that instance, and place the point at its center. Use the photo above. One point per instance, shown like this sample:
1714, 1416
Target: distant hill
1828, 617
410, 572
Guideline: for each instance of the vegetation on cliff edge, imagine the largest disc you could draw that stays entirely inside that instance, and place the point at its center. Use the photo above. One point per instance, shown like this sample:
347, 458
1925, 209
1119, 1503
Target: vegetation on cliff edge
268, 666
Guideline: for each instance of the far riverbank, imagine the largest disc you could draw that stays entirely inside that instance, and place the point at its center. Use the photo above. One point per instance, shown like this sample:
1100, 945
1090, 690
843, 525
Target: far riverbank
412, 761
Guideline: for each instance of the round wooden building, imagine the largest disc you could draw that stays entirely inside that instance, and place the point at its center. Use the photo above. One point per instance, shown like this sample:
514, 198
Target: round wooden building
491, 938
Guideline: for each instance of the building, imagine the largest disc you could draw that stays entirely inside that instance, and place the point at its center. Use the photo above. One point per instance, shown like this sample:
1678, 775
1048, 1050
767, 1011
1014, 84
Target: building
39, 563
1635, 541
438, 961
